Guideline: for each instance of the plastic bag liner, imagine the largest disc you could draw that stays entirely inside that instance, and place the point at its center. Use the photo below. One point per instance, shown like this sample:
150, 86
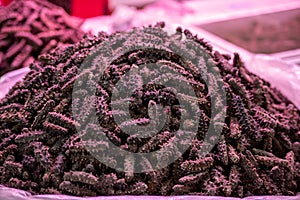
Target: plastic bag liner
8, 80
283, 76
14, 194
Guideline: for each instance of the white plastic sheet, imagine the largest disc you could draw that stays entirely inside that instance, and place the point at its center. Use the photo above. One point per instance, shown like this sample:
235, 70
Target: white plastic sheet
283, 76
14, 194
9, 79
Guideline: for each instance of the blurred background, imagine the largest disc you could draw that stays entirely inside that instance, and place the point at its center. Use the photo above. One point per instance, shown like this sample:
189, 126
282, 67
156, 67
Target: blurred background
260, 27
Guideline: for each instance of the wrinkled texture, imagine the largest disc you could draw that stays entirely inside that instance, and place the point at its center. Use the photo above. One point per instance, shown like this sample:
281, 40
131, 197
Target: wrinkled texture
15, 194
42, 154
30, 28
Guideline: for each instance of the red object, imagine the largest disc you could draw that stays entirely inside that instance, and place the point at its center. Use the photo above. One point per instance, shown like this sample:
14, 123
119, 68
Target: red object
5, 2
89, 8
83, 8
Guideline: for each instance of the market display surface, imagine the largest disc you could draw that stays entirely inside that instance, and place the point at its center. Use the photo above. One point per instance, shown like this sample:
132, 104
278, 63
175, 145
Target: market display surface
257, 152
30, 28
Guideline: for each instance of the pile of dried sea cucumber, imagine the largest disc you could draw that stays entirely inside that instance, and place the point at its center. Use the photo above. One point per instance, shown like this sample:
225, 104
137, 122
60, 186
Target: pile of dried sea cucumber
258, 152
